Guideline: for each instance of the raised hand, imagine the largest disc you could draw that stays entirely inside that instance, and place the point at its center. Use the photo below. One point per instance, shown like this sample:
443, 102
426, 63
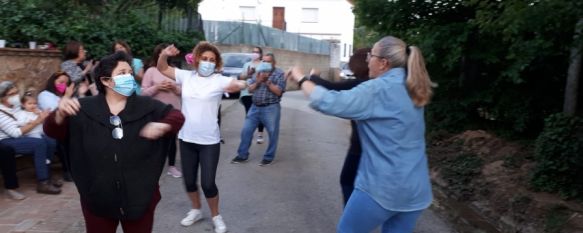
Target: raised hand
67, 106
296, 73
315, 72
250, 71
170, 51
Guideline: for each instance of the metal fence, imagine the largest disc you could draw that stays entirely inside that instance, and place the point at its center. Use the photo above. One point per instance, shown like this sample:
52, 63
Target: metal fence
182, 20
226, 32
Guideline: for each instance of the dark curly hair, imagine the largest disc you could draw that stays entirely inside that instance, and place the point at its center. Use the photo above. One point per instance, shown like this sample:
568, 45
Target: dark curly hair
106, 66
204, 46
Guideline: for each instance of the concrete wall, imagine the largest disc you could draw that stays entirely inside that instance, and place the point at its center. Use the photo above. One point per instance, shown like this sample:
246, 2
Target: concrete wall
28, 68
287, 59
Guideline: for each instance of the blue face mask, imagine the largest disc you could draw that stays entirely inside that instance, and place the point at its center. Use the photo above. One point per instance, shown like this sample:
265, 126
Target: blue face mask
206, 68
125, 84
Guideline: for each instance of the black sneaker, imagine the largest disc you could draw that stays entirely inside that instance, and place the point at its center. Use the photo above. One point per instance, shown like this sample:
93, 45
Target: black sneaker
238, 160
265, 162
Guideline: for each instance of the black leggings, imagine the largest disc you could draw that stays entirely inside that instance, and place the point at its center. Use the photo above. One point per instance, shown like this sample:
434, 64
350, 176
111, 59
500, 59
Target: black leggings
247, 101
172, 152
207, 156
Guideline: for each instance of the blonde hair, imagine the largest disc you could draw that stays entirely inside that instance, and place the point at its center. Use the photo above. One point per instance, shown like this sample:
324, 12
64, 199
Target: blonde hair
418, 83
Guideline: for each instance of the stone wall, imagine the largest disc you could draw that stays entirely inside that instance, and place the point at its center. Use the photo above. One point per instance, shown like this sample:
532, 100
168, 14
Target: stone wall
28, 68
286, 59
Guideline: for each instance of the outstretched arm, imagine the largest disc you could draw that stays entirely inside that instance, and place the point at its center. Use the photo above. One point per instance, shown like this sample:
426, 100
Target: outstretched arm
163, 66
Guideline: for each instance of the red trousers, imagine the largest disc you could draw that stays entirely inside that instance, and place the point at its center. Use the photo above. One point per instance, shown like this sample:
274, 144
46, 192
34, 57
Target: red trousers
96, 224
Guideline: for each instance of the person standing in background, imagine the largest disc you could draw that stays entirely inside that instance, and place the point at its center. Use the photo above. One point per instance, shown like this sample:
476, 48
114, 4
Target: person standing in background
268, 87
137, 64
358, 65
74, 55
164, 89
246, 97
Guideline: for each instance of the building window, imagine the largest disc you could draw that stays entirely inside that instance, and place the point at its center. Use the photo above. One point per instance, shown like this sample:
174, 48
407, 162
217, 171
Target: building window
309, 15
350, 50
344, 50
248, 13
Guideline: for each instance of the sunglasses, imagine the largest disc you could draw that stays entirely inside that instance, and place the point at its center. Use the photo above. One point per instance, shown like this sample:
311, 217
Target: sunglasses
117, 132
369, 55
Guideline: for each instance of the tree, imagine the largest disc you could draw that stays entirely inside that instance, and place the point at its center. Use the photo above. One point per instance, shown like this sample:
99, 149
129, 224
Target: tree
573, 74
496, 62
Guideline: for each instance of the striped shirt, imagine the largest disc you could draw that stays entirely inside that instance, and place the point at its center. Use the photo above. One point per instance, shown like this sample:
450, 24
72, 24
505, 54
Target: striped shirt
8, 125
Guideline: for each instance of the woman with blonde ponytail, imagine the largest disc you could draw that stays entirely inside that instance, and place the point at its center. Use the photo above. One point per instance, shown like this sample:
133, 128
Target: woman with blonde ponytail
392, 187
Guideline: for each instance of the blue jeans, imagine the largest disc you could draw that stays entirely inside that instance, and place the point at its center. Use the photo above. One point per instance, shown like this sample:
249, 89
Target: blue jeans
37, 147
269, 116
363, 214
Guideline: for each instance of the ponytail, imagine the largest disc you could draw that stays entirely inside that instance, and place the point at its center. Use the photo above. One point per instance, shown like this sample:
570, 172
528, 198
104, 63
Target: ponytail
418, 83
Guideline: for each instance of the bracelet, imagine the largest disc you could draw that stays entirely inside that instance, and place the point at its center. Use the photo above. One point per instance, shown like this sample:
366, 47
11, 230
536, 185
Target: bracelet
302, 81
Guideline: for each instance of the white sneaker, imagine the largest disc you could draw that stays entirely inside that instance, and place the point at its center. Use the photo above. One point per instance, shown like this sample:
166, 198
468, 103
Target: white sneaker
174, 172
191, 217
259, 139
219, 224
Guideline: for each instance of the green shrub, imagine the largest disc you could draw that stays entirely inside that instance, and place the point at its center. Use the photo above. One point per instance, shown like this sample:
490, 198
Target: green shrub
60, 21
559, 157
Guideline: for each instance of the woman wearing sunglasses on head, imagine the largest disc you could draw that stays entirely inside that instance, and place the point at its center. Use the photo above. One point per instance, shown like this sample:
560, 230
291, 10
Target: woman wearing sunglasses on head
117, 144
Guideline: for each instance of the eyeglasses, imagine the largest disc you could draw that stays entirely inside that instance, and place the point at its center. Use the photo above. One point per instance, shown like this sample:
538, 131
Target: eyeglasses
370, 55
117, 132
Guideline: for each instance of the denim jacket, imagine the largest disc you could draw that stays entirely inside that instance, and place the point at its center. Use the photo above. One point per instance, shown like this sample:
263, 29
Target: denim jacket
393, 169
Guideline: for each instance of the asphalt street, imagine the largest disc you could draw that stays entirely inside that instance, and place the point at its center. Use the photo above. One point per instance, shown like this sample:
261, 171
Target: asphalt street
299, 192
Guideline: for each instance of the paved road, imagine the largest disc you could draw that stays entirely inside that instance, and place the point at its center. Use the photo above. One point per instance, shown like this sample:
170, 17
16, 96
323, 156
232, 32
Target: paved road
298, 193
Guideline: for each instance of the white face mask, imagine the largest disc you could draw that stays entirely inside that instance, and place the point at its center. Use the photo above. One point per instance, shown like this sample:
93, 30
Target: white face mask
14, 101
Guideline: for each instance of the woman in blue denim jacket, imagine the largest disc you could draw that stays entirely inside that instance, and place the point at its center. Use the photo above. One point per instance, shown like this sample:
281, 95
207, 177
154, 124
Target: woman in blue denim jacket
392, 187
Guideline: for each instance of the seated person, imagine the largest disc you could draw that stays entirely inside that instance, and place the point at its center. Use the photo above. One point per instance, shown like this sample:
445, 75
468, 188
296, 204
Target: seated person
11, 135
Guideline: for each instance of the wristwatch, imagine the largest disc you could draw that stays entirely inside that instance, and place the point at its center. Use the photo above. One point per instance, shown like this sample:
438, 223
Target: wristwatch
305, 78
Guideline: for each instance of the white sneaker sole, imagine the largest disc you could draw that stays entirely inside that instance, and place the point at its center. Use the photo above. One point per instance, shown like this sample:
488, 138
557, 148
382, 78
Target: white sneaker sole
170, 174
186, 224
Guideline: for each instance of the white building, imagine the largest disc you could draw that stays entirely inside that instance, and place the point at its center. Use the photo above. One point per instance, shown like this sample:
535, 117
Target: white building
330, 20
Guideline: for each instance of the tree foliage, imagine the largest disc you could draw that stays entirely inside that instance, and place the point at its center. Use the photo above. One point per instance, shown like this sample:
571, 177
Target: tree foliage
559, 156
62, 20
499, 64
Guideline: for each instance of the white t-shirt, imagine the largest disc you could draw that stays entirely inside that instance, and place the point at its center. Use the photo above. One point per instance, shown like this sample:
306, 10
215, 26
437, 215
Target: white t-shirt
201, 97
24, 117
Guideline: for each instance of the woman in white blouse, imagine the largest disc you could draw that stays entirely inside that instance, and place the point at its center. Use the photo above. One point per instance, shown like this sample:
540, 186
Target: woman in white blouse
200, 136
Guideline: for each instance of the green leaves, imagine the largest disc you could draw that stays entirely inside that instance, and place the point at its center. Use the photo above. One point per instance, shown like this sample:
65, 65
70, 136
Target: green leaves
95, 25
559, 156
509, 57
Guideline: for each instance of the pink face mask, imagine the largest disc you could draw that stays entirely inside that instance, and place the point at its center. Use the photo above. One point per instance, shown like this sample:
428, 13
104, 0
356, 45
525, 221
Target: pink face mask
61, 87
189, 58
